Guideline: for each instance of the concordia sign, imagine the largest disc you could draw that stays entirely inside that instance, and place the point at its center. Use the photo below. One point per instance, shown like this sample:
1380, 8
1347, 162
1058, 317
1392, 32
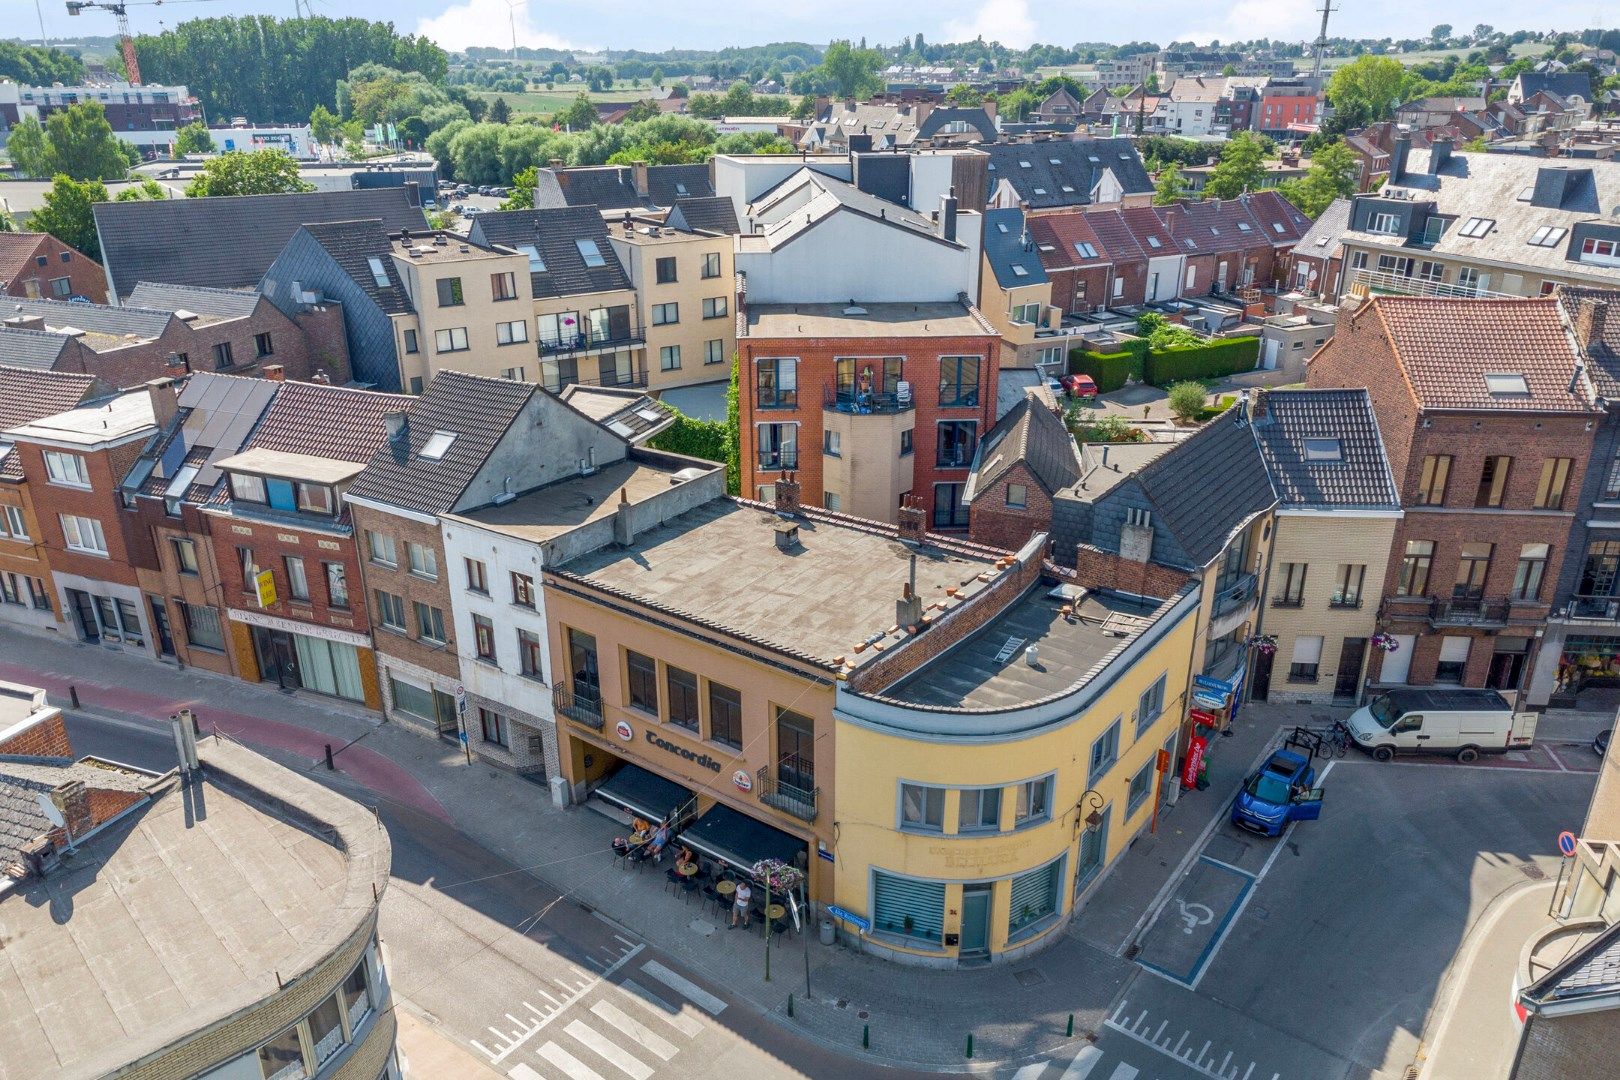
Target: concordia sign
693, 756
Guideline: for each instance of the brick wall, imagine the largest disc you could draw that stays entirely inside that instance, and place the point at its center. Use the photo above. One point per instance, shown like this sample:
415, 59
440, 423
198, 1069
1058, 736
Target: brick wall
106, 805
994, 523
1065, 282
45, 738
83, 273
1583, 1046
399, 581
1099, 569
105, 469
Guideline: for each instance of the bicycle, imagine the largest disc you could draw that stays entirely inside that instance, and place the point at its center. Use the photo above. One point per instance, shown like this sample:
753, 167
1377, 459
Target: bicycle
1337, 740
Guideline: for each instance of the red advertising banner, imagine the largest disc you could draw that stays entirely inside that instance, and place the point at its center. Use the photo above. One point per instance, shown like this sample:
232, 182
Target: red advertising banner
1195, 761
1204, 718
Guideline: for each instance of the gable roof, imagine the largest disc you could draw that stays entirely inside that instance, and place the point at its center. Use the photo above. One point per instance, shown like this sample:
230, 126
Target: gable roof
215, 416
716, 214
36, 349
613, 187
1032, 434
1326, 235
629, 414
28, 394
1058, 238
326, 421
224, 303
1602, 350
229, 241
1359, 478
1588, 978
17, 255
1011, 251
1446, 347
103, 319
22, 782
352, 245
1063, 172
1208, 485
896, 124
477, 409
807, 198
1565, 84
555, 233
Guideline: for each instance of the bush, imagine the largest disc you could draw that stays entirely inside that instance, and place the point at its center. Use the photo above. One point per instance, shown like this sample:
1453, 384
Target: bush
1108, 428
1209, 360
704, 439
1187, 400
1108, 370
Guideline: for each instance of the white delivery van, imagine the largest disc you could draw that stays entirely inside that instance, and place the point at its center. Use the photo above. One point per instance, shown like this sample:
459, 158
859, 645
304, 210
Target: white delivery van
1437, 720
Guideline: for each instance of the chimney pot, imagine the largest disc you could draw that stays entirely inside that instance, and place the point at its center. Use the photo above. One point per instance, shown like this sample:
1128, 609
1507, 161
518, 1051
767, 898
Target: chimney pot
787, 494
275, 372
913, 521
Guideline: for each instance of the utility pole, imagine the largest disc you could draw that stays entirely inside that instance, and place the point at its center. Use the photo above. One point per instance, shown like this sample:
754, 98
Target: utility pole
1326, 9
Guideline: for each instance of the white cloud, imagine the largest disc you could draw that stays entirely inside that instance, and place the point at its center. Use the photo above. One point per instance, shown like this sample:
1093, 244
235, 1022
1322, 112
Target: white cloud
1248, 20
488, 23
1006, 21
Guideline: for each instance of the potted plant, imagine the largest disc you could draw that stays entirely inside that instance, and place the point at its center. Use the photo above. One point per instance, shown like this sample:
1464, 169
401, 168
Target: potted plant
908, 924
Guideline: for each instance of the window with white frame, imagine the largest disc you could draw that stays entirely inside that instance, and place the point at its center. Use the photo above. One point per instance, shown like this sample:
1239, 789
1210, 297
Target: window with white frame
424, 561
15, 525
714, 307
83, 534
1033, 802
511, 333
1104, 752
68, 469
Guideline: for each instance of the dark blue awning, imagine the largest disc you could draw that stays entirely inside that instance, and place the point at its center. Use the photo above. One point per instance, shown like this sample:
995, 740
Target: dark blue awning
645, 793
722, 833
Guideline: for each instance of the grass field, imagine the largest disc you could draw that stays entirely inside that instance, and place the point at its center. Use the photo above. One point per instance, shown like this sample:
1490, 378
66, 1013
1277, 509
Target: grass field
546, 102
1303, 64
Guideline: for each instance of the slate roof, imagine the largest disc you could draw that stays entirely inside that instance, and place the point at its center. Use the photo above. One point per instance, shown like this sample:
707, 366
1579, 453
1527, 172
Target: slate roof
1205, 487
613, 187
1592, 971
807, 198
1326, 234
477, 409
895, 124
1360, 479
96, 318
1564, 83
223, 303
1602, 353
352, 244
22, 782
230, 241
716, 214
38, 349
1011, 249
28, 394
1064, 169
555, 232
1030, 433
1446, 348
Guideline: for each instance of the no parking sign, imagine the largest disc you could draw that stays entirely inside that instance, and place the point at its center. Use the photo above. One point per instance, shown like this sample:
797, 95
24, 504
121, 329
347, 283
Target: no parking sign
1566, 844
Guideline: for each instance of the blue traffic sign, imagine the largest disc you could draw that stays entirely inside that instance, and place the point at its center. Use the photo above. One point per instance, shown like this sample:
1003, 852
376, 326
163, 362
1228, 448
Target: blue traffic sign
463, 738
863, 925
1566, 843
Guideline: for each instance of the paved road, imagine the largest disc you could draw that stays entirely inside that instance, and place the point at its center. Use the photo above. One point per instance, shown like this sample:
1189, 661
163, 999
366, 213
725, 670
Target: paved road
531, 983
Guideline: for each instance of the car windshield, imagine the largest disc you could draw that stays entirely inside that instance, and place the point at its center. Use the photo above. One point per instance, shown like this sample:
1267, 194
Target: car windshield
1267, 787
1384, 710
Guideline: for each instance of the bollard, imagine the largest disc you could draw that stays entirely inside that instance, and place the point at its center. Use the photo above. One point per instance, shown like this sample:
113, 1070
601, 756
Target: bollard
329, 766
73, 695
790, 1006
1070, 1034
970, 1044
866, 1036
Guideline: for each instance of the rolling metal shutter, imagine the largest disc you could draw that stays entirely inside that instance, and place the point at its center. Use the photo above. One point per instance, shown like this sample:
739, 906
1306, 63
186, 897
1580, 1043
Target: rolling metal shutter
894, 898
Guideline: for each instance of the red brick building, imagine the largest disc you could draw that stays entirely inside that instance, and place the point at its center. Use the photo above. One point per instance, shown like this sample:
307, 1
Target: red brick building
866, 404
1488, 422
1029, 457
39, 266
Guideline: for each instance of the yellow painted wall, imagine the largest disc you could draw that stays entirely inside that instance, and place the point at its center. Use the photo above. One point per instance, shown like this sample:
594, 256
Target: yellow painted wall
869, 474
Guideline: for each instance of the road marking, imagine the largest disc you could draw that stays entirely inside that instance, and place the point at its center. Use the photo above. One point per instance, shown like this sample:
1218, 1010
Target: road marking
627, 1063
1030, 1072
1123, 1071
486, 1051
568, 1063
1187, 1058
662, 1009
623, 960
521, 1071
1083, 1063
525, 1030
635, 1029
688, 989
627, 942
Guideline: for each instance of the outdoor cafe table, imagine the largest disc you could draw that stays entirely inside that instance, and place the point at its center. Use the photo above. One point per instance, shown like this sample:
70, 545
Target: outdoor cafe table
775, 911
687, 869
726, 888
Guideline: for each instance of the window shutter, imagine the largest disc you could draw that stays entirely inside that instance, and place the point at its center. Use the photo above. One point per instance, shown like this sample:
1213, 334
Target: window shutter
894, 898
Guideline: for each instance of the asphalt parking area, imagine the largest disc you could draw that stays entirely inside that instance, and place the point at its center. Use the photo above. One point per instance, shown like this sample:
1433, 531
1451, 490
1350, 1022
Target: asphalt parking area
1544, 756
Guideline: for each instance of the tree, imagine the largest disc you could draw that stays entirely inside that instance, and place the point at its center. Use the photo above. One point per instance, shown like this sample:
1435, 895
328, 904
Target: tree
29, 151
143, 191
1483, 31
852, 72
1241, 168
1229, 70
1170, 187
523, 185
1367, 89
67, 216
500, 112
642, 110
1187, 399
193, 139
964, 94
1332, 175
1440, 33
579, 116
256, 172
658, 77
679, 90
82, 144
7, 222
324, 126
32, 65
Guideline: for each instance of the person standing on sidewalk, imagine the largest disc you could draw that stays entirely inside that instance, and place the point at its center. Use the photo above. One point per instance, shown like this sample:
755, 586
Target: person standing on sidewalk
739, 904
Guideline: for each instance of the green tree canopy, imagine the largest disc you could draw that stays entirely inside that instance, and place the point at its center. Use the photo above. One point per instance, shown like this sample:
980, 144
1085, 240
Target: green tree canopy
1170, 186
965, 94
324, 126
500, 112
30, 65
67, 216
852, 72
1332, 175
193, 139
1367, 89
29, 151
82, 144
143, 191
252, 172
1241, 168
523, 184
580, 115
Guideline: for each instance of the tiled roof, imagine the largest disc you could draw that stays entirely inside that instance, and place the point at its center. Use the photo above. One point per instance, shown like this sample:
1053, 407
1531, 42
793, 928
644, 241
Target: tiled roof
1011, 251
229, 241
629, 414
1030, 433
1447, 347
555, 232
17, 255
28, 394
1058, 238
476, 409
1063, 172
716, 213
1359, 478
326, 421
1602, 353
613, 187
1592, 971
352, 245
21, 784
224, 303
1207, 486
38, 349
96, 318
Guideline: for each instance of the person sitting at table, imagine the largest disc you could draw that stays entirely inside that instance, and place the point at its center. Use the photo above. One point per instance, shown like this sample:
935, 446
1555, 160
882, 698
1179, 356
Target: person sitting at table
685, 855
640, 825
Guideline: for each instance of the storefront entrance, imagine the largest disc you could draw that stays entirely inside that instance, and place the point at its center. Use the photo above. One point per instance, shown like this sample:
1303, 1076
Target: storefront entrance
1508, 663
976, 920
301, 662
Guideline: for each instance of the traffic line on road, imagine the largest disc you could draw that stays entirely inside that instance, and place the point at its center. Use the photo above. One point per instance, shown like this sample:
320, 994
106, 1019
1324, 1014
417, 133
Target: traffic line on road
1030, 1072
568, 1063
1202, 1062
608, 1050
638, 1032
1083, 1063
507, 1042
685, 987
662, 1009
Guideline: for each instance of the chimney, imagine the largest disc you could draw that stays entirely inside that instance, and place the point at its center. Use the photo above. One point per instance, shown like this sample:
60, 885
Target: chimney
786, 535
990, 107
26, 322
639, 169
321, 377
274, 372
555, 163
1589, 321
947, 215
913, 521
1397, 157
921, 112
164, 401
73, 799
398, 426
909, 608
787, 494
624, 530
823, 103
1439, 154
1257, 410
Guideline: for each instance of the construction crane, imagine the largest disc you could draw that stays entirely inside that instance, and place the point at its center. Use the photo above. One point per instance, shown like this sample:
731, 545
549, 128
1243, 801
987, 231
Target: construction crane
126, 42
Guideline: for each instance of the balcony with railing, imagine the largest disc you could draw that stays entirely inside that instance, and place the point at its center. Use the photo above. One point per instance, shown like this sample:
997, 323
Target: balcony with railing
1479, 612
1366, 282
556, 377
1233, 604
868, 403
800, 802
779, 459
589, 338
1590, 609
581, 708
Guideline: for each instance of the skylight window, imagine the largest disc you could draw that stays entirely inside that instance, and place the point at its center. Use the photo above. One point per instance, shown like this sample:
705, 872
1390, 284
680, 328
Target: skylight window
537, 265
680, 188
378, 273
1213, 231
1508, 382
589, 251
1243, 226
1093, 157
1526, 194
1002, 225
1323, 450
1040, 191
1153, 242
1019, 271
1055, 161
1476, 227
1548, 236
1023, 165
1045, 247
1124, 157
1280, 230
437, 444
1067, 187
1085, 250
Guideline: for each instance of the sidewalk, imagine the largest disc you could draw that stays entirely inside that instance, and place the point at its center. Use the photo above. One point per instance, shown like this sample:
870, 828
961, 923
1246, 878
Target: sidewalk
916, 1016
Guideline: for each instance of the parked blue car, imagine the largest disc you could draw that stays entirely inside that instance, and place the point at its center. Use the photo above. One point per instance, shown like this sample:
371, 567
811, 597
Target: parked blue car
1282, 791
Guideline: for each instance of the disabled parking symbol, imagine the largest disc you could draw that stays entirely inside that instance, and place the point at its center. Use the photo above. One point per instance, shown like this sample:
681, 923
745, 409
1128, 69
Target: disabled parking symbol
1194, 915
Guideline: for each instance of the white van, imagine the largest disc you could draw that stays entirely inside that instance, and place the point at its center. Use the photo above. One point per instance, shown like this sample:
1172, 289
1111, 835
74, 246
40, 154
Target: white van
1433, 720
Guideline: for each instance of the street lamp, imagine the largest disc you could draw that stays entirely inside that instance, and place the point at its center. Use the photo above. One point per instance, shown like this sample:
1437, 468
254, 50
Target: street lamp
1091, 801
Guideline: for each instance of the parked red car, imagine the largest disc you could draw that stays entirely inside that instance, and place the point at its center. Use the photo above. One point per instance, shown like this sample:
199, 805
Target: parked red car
1080, 386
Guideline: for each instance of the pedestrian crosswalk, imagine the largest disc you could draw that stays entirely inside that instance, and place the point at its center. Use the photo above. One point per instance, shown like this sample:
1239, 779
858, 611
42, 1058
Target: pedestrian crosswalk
1089, 1064
619, 1031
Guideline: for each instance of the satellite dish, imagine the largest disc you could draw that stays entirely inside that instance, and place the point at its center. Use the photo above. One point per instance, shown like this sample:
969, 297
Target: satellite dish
50, 810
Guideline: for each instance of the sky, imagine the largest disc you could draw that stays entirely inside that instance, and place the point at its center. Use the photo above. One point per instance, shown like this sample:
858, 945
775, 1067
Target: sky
657, 24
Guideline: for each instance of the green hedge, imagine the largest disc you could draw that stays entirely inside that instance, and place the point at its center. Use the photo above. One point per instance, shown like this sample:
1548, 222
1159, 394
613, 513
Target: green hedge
704, 439
1212, 360
1108, 370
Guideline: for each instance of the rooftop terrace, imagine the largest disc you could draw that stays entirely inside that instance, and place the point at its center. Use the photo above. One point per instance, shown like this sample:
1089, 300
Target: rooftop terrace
864, 320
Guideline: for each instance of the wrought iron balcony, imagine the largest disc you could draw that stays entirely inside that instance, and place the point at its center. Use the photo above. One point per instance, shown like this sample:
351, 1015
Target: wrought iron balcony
1469, 611
580, 708
773, 460
556, 380
787, 798
588, 339
1237, 596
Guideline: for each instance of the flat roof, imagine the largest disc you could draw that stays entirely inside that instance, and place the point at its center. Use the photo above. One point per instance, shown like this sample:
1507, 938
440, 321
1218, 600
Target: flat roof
422, 250
172, 919
557, 508
719, 564
950, 319
94, 422
17, 703
989, 669
318, 470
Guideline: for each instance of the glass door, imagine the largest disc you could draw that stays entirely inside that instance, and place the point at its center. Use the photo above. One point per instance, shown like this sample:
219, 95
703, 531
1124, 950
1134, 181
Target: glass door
1093, 847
